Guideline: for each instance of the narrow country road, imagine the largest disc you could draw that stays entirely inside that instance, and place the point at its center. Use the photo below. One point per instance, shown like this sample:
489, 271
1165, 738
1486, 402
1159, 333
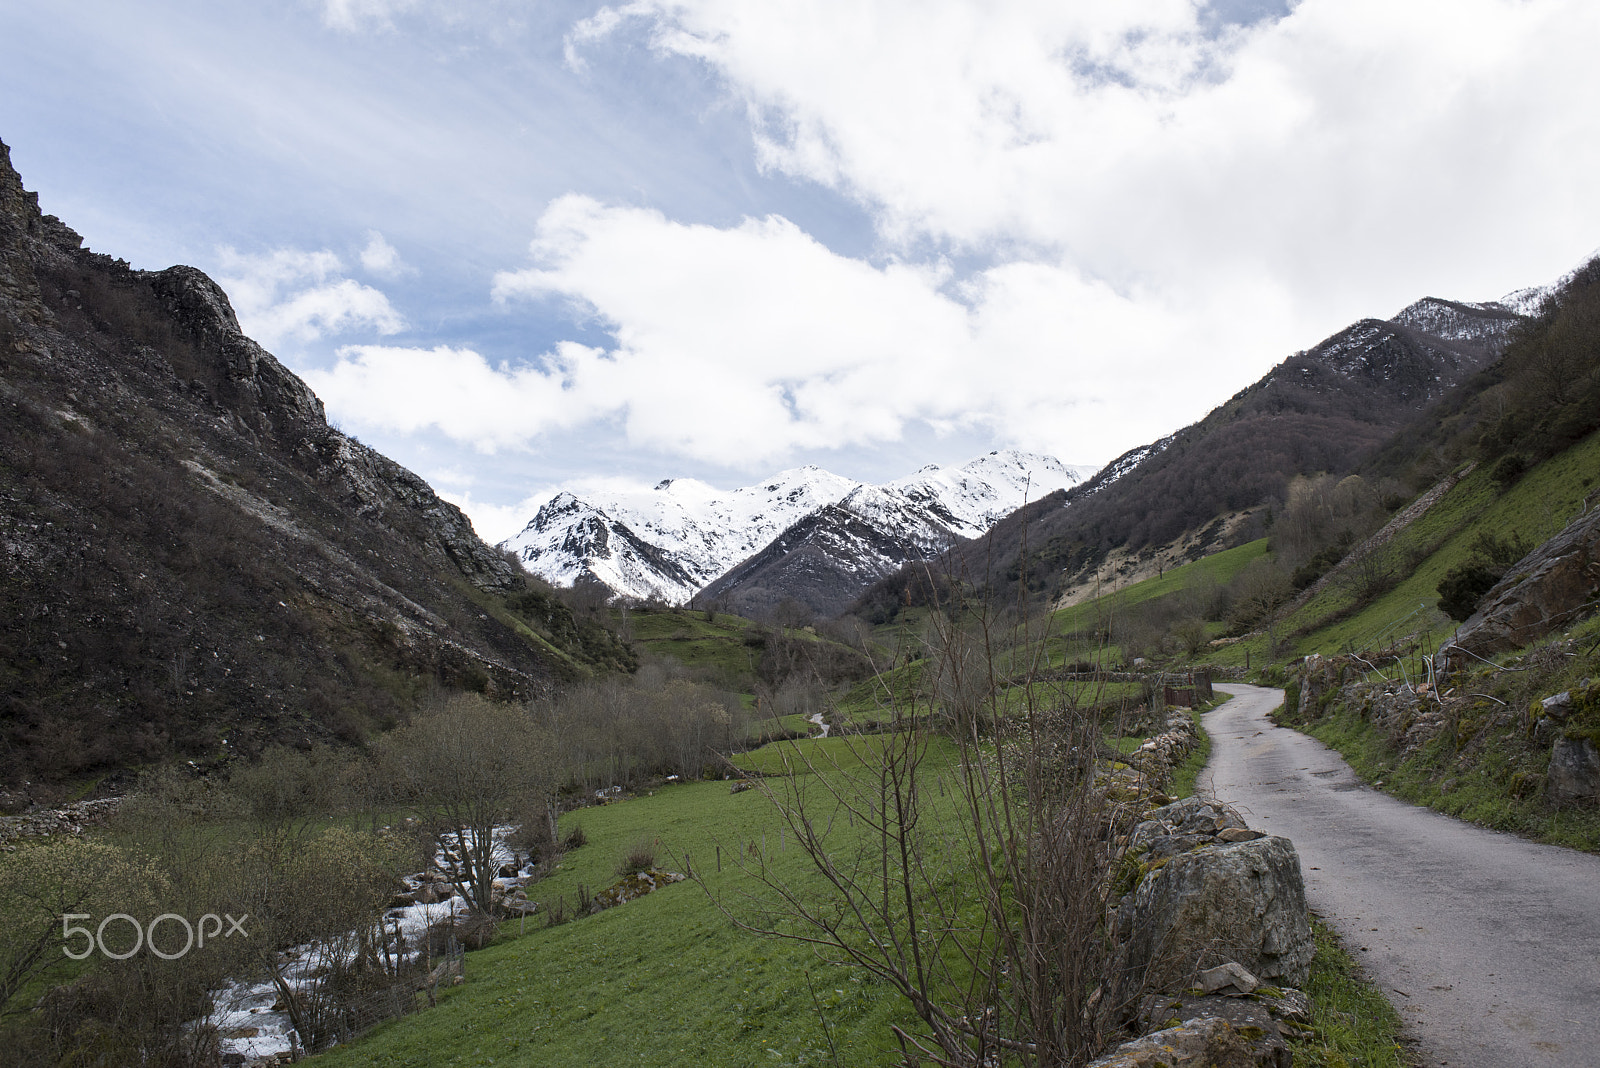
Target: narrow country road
1489, 945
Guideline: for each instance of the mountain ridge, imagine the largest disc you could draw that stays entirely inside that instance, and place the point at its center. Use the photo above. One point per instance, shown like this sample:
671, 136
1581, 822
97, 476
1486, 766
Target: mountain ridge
194, 562
1321, 409
676, 540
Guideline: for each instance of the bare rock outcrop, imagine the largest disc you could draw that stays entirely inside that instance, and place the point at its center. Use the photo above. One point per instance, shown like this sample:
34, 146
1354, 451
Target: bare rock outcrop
1549, 588
1200, 1042
1574, 773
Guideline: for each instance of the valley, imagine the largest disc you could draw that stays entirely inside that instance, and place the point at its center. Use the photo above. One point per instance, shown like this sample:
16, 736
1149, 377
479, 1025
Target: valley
812, 771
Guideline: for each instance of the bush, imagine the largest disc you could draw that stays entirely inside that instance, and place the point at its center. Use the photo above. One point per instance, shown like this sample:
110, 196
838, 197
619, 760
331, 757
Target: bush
641, 856
1510, 468
1463, 587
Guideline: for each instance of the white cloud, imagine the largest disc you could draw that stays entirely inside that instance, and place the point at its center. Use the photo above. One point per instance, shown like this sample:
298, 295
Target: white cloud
455, 390
495, 523
739, 346
1164, 210
291, 295
1133, 140
381, 258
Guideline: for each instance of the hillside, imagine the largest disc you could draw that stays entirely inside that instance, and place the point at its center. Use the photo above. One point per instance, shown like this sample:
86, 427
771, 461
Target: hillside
826, 559
195, 563
1323, 410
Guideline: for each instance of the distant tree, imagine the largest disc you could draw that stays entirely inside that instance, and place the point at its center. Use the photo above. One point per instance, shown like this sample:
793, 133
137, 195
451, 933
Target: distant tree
793, 614
1371, 573
1260, 591
469, 766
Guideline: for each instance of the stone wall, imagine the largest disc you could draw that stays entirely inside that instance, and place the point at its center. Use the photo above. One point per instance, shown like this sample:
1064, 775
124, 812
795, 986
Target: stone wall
1213, 939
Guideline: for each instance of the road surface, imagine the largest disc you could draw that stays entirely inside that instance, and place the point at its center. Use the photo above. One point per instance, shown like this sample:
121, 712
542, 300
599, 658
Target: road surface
1488, 945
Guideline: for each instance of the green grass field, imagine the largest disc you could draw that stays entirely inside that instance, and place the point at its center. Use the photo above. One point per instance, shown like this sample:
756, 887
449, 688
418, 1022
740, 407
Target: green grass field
658, 981
716, 647
671, 977
1535, 508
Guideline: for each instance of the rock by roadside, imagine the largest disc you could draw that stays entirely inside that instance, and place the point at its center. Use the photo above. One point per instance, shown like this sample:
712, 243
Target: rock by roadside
1547, 589
1213, 908
1554, 741
1209, 890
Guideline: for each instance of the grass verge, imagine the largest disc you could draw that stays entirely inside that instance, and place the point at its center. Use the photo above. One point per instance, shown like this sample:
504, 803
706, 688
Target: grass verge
1352, 1022
1184, 776
1475, 785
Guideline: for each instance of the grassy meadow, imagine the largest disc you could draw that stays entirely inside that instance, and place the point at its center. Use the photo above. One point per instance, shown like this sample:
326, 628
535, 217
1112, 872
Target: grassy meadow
668, 977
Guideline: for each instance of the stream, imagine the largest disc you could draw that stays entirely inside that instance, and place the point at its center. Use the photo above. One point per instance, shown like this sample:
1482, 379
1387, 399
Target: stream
251, 1031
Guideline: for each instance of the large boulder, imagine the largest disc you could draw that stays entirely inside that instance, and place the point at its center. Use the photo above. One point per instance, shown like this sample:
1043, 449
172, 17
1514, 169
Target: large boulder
1551, 587
1223, 901
1574, 770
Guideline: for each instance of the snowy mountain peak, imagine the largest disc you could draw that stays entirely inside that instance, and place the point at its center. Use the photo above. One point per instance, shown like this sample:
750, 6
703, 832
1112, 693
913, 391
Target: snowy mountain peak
1456, 320
561, 504
672, 540
971, 498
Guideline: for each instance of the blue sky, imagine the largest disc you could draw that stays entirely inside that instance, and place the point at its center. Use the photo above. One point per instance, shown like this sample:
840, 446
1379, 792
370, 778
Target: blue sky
518, 245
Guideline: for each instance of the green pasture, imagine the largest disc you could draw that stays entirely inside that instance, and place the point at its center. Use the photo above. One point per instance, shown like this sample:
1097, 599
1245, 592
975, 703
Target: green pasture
715, 647
668, 977
1535, 508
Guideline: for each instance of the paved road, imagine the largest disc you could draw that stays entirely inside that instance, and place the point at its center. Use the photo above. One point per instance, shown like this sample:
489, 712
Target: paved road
1488, 945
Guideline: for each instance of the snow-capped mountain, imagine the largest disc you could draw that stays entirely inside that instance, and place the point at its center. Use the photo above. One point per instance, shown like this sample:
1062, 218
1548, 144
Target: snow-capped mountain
672, 541
971, 498
1455, 320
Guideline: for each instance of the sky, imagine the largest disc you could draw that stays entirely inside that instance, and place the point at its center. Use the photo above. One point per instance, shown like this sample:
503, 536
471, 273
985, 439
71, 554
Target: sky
522, 246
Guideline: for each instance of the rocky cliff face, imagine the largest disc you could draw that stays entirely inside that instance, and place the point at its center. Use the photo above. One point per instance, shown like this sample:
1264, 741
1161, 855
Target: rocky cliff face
1553, 586
193, 561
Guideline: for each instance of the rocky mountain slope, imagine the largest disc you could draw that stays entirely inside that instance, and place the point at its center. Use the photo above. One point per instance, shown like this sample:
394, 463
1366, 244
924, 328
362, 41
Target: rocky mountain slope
1324, 409
193, 561
826, 559
676, 540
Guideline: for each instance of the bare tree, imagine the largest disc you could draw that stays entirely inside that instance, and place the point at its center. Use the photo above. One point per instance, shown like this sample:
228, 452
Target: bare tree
975, 886
1260, 591
468, 767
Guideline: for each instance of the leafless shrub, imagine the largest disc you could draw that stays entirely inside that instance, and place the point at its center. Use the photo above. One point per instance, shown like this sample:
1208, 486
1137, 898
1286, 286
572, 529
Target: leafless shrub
977, 889
641, 856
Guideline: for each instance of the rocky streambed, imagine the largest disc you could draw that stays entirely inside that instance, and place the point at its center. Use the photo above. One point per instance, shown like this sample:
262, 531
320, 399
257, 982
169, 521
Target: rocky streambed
254, 1026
